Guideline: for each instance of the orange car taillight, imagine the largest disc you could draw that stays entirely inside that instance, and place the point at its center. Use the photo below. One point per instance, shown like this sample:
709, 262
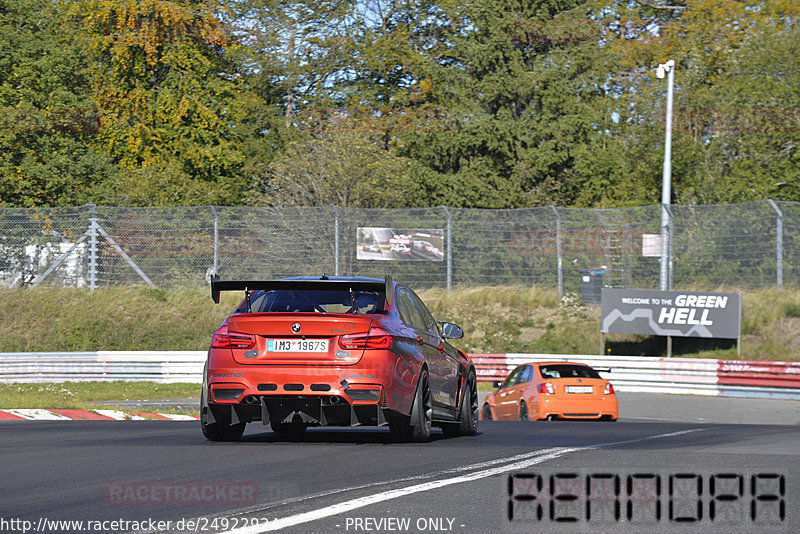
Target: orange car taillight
225, 339
546, 388
377, 338
609, 389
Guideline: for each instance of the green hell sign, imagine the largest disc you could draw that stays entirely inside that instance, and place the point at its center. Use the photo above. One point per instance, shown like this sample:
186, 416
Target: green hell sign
671, 313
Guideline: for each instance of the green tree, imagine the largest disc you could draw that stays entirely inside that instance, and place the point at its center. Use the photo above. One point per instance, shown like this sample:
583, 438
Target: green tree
523, 90
48, 120
753, 130
287, 68
346, 169
386, 48
735, 107
292, 53
333, 69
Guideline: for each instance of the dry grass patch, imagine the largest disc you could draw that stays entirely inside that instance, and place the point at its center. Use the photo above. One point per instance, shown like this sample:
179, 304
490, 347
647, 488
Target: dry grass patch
495, 319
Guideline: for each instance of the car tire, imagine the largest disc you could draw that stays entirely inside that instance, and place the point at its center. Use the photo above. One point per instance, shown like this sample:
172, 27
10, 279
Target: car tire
467, 424
487, 413
523, 412
221, 429
416, 427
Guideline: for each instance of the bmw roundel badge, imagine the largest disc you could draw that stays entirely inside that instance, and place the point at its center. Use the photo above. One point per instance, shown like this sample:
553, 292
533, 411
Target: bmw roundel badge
296, 327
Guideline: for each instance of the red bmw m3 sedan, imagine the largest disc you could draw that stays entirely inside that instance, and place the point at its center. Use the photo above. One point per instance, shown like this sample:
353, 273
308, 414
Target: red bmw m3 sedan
335, 351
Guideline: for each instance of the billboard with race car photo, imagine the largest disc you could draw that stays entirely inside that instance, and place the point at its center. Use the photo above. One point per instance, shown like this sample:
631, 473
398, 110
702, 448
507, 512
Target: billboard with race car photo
392, 244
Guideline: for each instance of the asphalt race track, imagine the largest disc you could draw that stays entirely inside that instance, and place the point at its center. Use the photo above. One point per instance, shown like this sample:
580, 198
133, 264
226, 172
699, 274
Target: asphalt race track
641, 474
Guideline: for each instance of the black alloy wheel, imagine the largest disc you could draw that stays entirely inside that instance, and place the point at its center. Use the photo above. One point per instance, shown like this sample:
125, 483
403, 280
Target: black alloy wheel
467, 424
416, 427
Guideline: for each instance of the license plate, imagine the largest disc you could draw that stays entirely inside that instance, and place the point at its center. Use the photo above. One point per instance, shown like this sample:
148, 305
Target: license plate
579, 389
297, 345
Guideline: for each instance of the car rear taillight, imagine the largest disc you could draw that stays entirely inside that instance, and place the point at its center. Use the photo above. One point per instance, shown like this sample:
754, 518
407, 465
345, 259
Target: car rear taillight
609, 389
224, 339
377, 338
546, 388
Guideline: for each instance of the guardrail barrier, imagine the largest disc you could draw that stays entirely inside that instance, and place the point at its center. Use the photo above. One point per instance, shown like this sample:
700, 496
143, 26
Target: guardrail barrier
644, 374
696, 376
102, 366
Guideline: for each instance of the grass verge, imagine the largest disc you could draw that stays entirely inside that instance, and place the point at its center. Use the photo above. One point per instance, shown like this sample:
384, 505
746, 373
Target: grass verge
495, 319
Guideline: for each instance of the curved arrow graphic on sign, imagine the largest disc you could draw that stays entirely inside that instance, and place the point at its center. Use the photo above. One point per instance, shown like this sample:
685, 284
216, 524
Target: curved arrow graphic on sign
616, 315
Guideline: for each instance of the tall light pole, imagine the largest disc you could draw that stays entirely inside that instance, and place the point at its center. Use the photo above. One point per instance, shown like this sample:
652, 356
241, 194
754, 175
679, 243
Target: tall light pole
667, 69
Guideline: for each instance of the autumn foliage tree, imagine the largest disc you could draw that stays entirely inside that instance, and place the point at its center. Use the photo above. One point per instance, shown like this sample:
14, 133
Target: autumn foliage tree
492, 104
736, 97
165, 91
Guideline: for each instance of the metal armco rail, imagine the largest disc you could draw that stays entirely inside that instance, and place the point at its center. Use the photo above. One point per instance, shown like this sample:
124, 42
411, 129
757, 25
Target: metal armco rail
734, 378
731, 378
156, 366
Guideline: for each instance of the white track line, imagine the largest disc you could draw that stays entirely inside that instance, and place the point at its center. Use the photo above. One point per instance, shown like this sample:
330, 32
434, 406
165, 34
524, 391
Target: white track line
347, 506
411, 478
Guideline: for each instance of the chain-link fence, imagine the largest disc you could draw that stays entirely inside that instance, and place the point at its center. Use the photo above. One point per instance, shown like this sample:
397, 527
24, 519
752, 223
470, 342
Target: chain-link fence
737, 245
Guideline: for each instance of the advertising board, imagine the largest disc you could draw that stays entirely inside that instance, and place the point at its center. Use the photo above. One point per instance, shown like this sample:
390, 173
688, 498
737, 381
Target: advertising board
671, 313
387, 244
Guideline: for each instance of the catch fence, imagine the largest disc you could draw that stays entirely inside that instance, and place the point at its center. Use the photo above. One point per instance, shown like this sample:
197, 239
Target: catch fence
737, 245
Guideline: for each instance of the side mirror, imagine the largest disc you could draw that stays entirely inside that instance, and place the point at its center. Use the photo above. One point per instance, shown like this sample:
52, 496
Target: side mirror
452, 331
496, 384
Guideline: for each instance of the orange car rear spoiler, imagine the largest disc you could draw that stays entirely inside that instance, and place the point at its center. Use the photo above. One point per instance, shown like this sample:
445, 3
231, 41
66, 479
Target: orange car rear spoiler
218, 285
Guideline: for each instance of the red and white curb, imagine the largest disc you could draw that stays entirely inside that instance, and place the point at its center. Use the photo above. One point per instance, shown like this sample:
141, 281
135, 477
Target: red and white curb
38, 414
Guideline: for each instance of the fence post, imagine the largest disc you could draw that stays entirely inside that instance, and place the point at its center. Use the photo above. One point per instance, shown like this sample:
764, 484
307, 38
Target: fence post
667, 229
449, 249
335, 241
558, 254
671, 246
779, 245
666, 257
92, 247
216, 240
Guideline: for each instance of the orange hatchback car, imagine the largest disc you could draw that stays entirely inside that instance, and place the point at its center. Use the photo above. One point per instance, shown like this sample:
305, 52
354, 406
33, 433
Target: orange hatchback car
552, 390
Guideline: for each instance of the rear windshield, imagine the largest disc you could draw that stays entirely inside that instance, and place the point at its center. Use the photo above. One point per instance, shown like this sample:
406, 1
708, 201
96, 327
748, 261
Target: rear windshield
314, 300
567, 371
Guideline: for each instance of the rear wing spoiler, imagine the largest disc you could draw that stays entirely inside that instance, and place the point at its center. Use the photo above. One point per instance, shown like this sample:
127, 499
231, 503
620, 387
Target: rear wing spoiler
218, 285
